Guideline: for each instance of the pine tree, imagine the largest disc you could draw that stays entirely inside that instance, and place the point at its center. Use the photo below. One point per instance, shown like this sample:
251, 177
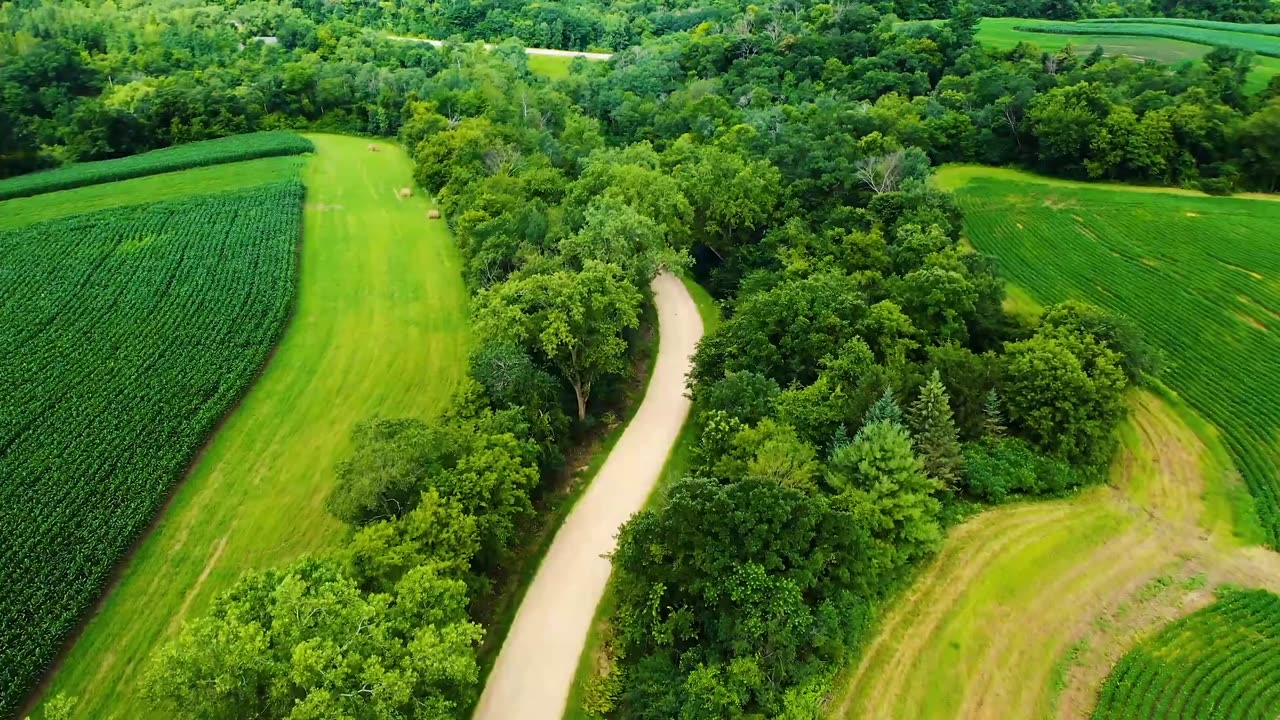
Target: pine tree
992, 419
935, 429
884, 410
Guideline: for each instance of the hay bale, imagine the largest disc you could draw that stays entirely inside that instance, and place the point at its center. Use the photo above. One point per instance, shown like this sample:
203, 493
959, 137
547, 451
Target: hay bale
373, 147
406, 192
433, 214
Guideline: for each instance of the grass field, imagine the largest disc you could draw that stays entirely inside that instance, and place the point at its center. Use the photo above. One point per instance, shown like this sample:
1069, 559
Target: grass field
379, 328
1260, 43
1027, 605
552, 67
1002, 34
1199, 276
1220, 662
154, 188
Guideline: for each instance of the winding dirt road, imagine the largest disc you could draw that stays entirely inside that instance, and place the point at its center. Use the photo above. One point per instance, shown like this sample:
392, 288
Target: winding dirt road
535, 667
528, 51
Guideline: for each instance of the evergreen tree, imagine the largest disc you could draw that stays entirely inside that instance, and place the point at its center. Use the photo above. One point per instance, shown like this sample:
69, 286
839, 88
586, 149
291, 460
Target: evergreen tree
884, 410
935, 431
992, 418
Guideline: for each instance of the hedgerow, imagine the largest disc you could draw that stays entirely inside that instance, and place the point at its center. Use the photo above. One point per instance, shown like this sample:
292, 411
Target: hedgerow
1252, 28
178, 157
125, 335
1222, 662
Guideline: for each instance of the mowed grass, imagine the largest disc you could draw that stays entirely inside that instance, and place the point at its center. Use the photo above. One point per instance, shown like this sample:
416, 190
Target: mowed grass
1019, 615
1002, 34
1200, 276
552, 67
379, 328
153, 188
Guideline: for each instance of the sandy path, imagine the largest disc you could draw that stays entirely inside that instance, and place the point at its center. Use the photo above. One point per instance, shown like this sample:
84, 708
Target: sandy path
535, 668
528, 51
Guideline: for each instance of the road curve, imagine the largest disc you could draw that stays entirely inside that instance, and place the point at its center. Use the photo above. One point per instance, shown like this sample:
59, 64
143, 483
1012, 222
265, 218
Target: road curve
536, 666
528, 51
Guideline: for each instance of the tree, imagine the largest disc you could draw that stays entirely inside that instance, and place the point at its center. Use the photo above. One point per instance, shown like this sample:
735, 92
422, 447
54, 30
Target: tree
1259, 140
935, 432
729, 195
305, 643
992, 419
573, 319
879, 479
1065, 394
885, 410
615, 232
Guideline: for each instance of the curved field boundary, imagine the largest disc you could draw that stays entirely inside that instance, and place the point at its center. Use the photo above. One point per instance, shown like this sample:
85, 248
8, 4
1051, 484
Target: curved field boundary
534, 673
1220, 662
1197, 275
179, 157
1027, 606
379, 328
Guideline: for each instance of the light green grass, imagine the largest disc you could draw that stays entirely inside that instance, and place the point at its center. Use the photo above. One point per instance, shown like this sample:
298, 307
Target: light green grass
677, 465
552, 67
1001, 34
153, 188
379, 328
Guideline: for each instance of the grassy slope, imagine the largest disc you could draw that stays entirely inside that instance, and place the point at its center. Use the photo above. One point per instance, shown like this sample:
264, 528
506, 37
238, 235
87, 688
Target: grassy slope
1000, 33
153, 188
379, 328
552, 67
1028, 604
677, 464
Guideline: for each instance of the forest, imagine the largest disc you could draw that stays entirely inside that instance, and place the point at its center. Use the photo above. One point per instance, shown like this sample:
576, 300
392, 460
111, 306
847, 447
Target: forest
866, 391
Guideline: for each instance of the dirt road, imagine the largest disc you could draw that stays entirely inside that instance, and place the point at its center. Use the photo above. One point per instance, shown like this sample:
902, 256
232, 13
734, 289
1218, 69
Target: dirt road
535, 667
529, 51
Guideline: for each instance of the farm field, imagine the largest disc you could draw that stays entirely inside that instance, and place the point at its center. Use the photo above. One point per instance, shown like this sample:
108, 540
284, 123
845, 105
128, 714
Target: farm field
379, 328
1261, 43
1197, 274
1027, 606
178, 157
1222, 661
1003, 33
110, 385
153, 188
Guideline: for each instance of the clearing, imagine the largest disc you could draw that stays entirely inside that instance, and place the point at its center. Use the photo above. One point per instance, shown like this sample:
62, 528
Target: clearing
379, 328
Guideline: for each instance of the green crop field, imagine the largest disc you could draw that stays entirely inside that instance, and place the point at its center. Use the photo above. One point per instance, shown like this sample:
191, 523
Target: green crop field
124, 337
1259, 43
1199, 275
1004, 33
1256, 28
152, 188
179, 157
1222, 662
379, 328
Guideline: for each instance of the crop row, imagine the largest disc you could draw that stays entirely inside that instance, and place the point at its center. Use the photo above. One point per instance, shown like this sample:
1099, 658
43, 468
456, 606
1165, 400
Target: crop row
179, 157
1221, 663
1197, 276
125, 335
1260, 44
1251, 28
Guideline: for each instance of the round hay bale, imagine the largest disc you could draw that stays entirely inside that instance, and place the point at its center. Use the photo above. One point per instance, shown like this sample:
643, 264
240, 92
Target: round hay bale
406, 192
433, 214
373, 147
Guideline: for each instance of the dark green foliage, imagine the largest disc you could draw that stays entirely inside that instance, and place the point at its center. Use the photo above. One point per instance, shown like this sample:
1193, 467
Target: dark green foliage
124, 337
999, 469
992, 417
885, 410
934, 431
748, 581
745, 395
181, 157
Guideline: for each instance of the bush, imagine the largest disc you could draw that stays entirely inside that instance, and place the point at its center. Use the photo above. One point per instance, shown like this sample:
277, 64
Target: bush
995, 470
